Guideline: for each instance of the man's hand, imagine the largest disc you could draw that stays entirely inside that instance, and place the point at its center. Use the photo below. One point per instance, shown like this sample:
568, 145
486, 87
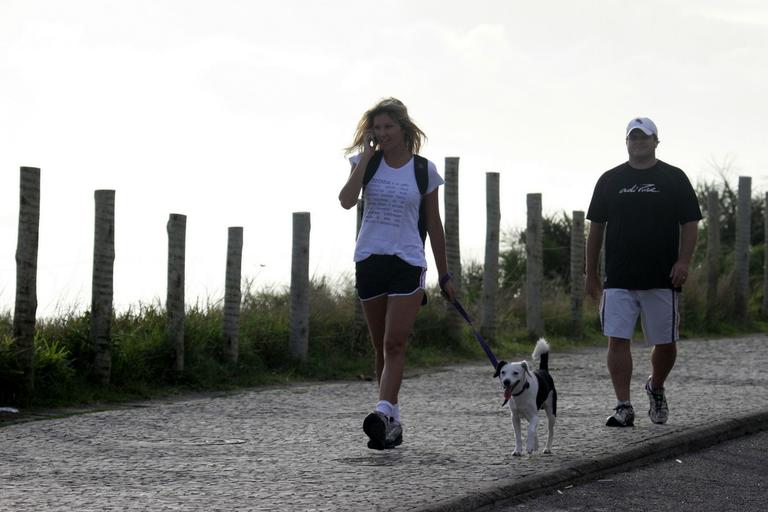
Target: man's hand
594, 288
679, 274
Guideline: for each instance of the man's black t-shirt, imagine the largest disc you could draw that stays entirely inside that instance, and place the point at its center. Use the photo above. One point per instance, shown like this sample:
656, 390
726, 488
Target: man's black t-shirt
643, 209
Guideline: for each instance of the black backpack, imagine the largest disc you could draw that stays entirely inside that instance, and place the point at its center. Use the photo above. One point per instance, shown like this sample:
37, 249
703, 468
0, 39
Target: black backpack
420, 166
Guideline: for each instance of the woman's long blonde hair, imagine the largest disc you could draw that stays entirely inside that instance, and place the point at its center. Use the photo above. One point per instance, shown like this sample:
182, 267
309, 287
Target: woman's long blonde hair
395, 109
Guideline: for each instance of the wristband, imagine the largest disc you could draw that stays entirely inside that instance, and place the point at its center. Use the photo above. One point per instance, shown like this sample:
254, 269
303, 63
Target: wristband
444, 279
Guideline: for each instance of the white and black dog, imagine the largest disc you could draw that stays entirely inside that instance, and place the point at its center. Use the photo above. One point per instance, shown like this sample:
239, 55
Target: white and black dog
527, 392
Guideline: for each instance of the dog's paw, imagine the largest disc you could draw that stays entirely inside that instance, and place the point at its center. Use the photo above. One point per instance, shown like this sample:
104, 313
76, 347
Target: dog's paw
517, 453
548, 452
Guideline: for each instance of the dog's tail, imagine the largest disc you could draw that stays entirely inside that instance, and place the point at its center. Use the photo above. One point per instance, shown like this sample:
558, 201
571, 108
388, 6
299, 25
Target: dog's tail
542, 351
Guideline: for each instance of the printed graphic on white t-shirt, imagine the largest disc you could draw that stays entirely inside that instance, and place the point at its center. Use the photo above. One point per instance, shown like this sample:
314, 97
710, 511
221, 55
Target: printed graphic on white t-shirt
386, 200
391, 215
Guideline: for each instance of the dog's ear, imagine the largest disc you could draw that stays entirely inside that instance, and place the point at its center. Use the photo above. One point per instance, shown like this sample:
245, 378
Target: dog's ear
499, 366
525, 366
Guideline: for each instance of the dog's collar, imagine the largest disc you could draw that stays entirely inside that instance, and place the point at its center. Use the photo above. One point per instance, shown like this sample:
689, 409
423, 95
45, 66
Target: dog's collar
525, 386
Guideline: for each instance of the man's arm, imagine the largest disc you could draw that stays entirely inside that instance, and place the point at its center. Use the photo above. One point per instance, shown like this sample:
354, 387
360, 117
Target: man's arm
689, 232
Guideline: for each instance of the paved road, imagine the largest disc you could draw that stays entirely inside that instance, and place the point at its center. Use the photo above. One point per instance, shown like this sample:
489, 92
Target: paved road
728, 477
302, 447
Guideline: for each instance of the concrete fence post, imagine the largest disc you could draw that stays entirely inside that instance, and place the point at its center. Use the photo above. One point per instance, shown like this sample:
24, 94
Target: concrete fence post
741, 256
765, 257
577, 271
451, 200
452, 238
177, 233
491, 265
713, 256
102, 288
534, 266
26, 278
299, 312
233, 293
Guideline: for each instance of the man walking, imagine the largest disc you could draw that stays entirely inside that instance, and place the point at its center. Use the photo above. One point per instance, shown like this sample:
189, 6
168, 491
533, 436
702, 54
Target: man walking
649, 214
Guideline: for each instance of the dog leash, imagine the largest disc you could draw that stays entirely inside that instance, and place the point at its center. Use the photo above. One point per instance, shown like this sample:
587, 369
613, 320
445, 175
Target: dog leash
457, 305
488, 352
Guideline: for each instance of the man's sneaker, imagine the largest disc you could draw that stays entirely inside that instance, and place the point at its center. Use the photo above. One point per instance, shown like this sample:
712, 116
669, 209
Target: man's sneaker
384, 432
624, 416
658, 411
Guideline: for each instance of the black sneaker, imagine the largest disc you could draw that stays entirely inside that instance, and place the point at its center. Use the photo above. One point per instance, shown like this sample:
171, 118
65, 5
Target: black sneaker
384, 432
624, 416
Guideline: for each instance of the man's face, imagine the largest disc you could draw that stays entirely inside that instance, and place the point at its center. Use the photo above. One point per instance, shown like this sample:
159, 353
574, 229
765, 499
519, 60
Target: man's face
640, 145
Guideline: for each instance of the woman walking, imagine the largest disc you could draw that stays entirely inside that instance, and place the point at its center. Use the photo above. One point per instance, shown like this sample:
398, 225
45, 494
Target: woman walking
401, 207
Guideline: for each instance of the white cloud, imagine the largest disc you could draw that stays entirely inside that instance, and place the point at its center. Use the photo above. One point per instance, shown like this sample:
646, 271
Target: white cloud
236, 113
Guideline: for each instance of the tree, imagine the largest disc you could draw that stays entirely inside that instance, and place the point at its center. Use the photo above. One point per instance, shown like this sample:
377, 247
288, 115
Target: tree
557, 253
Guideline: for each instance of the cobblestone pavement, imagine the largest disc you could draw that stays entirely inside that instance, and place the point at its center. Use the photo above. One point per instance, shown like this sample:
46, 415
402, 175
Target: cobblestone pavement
302, 447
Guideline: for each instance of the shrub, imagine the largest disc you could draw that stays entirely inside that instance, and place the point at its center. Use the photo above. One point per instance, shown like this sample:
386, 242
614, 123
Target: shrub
54, 374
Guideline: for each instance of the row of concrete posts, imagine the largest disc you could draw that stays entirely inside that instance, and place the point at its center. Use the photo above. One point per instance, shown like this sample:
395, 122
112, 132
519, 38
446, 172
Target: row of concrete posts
104, 254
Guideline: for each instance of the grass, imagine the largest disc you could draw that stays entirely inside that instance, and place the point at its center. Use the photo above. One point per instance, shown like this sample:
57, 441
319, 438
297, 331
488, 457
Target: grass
142, 359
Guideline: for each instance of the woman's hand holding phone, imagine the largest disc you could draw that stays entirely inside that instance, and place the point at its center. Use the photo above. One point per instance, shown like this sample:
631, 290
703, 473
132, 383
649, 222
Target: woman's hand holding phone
369, 142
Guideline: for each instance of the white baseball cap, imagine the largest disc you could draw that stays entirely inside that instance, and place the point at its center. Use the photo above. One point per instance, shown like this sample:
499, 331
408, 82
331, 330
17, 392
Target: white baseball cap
647, 126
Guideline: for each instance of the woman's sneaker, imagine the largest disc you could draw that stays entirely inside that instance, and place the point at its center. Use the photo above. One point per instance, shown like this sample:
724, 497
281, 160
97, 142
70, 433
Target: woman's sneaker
384, 432
624, 416
658, 411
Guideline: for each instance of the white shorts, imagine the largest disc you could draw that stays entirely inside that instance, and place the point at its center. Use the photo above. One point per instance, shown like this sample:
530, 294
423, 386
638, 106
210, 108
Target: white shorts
657, 308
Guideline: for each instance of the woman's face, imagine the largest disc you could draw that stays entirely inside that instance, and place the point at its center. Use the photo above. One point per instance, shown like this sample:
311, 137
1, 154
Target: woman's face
388, 132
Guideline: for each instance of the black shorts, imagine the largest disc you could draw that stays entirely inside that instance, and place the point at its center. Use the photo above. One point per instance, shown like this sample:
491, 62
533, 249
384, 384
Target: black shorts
384, 274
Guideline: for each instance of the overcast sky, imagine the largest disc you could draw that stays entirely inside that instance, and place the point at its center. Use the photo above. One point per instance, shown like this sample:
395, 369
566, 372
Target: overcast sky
236, 113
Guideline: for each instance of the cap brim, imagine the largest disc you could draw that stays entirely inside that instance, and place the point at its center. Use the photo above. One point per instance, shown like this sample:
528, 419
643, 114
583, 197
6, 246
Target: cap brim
643, 129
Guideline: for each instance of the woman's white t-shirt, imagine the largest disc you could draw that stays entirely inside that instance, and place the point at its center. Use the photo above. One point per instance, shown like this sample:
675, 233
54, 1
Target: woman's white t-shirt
391, 216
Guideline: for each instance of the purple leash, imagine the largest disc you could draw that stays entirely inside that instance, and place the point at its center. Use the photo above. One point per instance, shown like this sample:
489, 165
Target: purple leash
479, 338
444, 279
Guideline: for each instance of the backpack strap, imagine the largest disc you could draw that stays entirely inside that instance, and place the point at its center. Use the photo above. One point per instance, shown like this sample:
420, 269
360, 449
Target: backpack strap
370, 170
372, 167
420, 169
420, 165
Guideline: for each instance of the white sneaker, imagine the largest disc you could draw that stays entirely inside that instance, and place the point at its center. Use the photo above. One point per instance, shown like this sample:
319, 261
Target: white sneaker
658, 411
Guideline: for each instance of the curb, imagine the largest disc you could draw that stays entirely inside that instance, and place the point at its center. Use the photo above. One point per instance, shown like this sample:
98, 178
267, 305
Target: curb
513, 491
